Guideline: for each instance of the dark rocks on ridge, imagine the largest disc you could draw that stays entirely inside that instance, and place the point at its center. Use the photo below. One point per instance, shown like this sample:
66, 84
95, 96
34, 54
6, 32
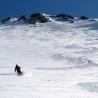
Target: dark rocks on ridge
84, 18
34, 18
39, 17
6, 20
65, 17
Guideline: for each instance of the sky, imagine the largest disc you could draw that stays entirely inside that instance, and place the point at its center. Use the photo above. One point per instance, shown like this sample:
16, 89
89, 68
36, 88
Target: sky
77, 8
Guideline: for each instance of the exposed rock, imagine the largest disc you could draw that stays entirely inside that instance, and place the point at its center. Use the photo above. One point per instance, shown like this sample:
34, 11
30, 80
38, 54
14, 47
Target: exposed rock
24, 18
38, 17
6, 20
32, 19
83, 18
64, 17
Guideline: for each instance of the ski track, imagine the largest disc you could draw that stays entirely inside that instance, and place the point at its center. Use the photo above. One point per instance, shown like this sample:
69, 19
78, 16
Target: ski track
59, 60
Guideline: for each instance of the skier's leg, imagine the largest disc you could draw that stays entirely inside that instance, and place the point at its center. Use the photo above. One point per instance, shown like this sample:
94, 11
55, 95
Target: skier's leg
20, 73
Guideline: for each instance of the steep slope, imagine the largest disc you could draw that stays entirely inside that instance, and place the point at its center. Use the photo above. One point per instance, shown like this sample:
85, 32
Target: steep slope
58, 59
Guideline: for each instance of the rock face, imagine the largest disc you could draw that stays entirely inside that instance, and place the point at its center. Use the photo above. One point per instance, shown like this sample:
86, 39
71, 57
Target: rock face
83, 18
38, 17
6, 20
34, 18
64, 17
41, 18
24, 19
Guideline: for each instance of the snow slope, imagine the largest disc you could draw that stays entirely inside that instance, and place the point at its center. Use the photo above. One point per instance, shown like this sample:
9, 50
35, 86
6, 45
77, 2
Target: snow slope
59, 60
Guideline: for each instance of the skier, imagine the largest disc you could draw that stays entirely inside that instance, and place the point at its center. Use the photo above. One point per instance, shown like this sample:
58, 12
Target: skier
17, 68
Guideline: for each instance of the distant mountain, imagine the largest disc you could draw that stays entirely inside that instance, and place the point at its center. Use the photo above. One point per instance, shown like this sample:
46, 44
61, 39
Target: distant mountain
58, 56
41, 18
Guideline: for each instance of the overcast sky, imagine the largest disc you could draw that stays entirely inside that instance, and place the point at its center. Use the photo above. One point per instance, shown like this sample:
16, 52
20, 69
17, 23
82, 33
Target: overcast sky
27, 7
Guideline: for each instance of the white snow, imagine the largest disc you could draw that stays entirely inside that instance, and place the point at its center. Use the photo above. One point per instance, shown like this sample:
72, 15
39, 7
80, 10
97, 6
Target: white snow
59, 60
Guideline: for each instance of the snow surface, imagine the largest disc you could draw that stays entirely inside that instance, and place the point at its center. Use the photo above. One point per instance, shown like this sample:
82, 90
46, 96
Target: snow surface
59, 60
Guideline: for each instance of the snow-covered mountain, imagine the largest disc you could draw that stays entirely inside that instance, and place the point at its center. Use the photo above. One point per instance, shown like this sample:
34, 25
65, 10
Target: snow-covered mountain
59, 59
39, 18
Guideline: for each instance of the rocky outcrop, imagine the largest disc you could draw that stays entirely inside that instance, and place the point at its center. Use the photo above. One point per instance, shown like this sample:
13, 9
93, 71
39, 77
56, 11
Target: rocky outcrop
39, 17
42, 18
24, 19
34, 18
64, 17
6, 20
83, 18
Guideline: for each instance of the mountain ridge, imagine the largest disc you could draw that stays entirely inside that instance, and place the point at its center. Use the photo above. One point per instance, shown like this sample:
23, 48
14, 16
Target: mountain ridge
42, 18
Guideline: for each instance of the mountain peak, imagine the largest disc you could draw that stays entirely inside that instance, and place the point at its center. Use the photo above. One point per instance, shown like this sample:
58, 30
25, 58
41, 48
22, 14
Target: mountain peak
42, 18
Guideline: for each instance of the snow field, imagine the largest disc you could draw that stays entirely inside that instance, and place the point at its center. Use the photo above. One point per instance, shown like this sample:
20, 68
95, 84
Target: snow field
59, 60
